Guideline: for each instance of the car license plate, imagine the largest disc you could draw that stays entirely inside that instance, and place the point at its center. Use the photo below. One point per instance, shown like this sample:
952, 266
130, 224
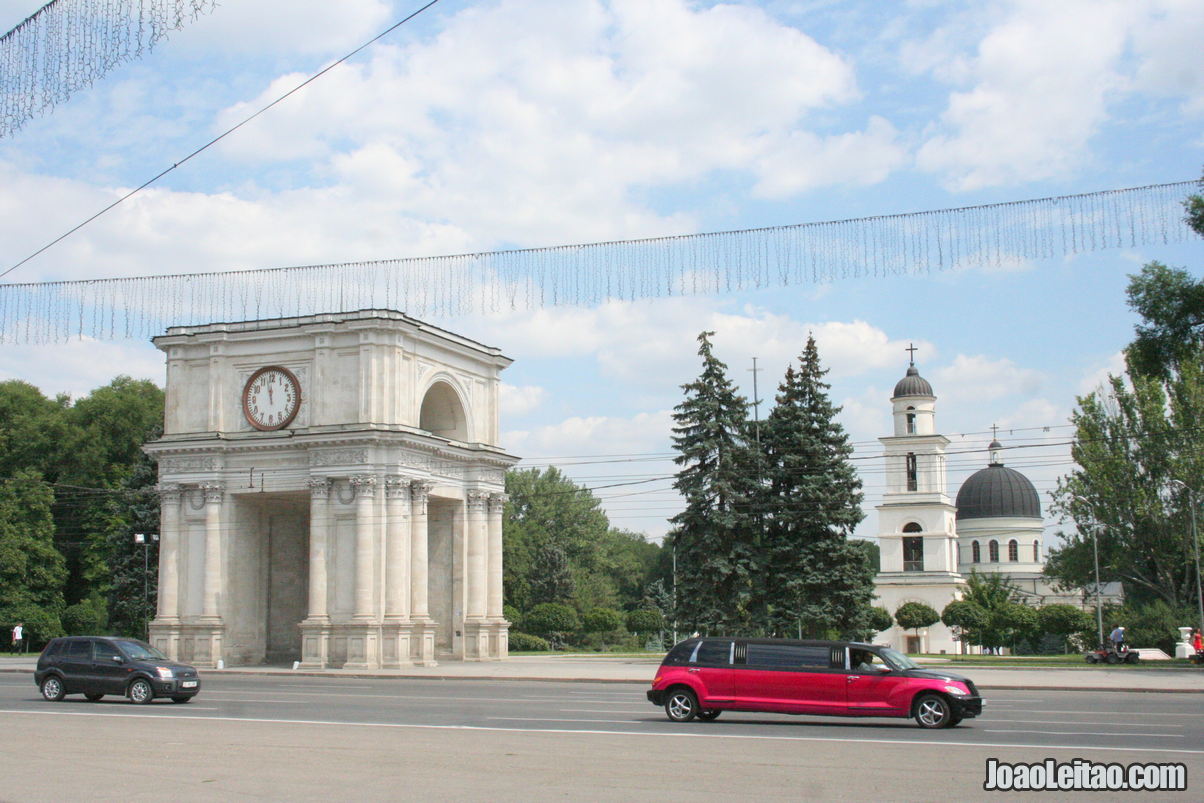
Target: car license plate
188, 684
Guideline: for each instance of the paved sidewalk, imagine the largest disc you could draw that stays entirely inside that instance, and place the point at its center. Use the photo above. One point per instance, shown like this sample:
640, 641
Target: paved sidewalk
609, 669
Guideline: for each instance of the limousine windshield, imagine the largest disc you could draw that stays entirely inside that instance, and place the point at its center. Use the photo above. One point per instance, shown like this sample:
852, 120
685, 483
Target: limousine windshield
897, 660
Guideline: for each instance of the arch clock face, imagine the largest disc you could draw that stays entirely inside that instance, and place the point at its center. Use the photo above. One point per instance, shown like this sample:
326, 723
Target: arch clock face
271, 398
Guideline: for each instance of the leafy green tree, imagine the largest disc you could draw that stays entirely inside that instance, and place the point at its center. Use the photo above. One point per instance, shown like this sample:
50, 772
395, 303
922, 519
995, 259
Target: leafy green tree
715, 546
812, 575
133, 577
879, 620
1131, 444
645, 621
1194, 206
967, 618
915, 615
1171, 305
33, 430
551, 578
553, 621
1016, 623
1061, 619
31, 569
602, 620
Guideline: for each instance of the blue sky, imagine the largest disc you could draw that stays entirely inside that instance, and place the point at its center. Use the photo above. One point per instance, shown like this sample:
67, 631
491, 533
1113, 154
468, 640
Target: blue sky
516, 124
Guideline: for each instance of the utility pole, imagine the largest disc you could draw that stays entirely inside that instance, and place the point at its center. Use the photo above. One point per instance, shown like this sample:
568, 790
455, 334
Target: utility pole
145, 540
1195, 542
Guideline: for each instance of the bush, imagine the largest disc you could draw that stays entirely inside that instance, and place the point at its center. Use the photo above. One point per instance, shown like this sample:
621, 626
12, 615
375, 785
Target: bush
914, 615
602, 620
645, 620
525, 642
86, 617
880, 619
553, 621
512, 615
1063, 620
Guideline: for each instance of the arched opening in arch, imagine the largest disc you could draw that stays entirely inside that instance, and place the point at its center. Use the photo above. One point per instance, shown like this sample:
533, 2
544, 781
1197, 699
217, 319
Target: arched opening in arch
912, 527
442, 413
976, 552
993, 551
1013, 551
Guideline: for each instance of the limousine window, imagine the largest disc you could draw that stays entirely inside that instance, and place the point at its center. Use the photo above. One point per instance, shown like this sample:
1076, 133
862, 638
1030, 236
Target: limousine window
789, 655
866, 662
681, 653
896, 659
713, 652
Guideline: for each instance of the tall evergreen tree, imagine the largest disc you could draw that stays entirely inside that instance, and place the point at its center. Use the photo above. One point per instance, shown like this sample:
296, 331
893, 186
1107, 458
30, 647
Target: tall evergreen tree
712, 536
813, 578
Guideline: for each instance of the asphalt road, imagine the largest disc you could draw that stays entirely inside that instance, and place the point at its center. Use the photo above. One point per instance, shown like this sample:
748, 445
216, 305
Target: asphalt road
302, 738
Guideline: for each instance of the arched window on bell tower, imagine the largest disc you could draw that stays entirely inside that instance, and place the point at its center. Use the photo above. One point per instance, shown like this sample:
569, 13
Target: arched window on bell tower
993, 551
976, 552
913, 548
913, 482
911, 420
1036, 551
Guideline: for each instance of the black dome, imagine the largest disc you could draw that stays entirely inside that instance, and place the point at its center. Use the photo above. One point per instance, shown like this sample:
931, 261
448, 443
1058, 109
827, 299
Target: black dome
912, 385
997, 491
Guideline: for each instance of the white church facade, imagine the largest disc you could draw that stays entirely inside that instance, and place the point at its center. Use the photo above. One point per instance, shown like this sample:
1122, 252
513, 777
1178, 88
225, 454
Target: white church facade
331, 493
930, 542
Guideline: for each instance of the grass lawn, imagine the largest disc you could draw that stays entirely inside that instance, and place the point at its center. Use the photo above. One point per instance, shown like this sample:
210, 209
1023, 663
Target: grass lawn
1074, 660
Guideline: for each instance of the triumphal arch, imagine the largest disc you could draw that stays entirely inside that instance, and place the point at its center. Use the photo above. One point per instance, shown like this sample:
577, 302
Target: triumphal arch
331, 490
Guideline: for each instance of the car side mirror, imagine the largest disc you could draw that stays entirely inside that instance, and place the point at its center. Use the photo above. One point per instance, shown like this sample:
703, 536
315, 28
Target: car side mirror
117, 659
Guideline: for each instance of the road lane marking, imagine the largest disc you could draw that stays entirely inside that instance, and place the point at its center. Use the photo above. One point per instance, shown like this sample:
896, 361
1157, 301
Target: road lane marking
1080, 733
1112, 723
549, 719
651, 734
648, 710
1096, 713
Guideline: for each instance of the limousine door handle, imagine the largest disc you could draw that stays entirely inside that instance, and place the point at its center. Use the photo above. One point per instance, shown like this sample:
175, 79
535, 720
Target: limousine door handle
692, 669
854, 677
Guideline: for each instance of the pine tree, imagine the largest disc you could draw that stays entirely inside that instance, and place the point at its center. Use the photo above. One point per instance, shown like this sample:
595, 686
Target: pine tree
813, 578
715, 556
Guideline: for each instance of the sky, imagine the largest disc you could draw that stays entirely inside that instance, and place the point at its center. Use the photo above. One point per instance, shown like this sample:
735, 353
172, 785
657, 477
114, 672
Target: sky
513, 124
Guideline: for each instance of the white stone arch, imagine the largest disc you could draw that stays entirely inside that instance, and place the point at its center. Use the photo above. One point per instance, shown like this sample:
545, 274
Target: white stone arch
444, 409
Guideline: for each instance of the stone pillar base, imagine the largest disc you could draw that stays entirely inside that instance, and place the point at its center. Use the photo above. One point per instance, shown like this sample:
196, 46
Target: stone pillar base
422, 643
363, 645
315, 644
499, 639
201, 645
476, 640
395, 645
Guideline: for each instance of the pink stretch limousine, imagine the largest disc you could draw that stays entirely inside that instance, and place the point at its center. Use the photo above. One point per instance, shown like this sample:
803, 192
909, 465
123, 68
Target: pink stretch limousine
702, 677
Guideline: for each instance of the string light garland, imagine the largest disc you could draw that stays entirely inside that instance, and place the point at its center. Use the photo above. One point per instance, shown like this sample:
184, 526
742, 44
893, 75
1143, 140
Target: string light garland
913, 243
68, 45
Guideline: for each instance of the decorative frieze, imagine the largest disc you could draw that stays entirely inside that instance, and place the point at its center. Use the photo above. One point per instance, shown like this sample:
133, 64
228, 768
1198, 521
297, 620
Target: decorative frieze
181, 465
338, 457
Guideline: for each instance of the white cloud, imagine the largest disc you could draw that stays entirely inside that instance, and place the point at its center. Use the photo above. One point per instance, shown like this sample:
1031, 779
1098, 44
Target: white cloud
519, 400
1096, 378
78, 367
977, 379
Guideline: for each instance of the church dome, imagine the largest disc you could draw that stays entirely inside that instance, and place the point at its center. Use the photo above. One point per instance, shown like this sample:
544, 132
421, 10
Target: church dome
913, 384
997, 492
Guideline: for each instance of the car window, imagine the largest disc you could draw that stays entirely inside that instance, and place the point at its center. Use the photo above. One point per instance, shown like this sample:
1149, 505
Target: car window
104, 652
789, 656
897, 660
138, 651
681, 653
81, 649
713, 652
53, 648
866, 662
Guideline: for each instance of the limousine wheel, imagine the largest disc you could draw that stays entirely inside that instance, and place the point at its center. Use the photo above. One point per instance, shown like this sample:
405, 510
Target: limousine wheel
933, 711
707, 716
681, 705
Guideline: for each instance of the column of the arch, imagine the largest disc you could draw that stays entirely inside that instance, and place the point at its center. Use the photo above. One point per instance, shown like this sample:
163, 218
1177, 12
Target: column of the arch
476, 639
315, 630
395, 635
423, 646
498, 626
165, 629
363, 634
207, 646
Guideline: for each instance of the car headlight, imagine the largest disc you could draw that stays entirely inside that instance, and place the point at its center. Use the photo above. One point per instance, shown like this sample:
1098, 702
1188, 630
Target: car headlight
165, 672
957, 690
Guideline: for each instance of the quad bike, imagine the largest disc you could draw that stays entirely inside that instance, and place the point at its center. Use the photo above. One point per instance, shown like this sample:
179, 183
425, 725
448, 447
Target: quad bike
1109, 654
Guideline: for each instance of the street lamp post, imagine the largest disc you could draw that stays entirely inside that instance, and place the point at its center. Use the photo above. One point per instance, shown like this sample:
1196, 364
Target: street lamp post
1195, 542
1099, 611
145, 540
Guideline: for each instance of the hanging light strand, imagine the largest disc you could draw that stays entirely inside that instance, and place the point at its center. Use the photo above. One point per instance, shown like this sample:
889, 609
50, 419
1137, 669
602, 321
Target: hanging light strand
907, 244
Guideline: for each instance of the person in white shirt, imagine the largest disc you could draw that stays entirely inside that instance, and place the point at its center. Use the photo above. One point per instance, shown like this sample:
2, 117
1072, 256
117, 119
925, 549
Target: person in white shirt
18, 637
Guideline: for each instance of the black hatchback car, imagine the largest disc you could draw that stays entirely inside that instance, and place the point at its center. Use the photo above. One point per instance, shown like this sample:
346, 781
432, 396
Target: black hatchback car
98, 665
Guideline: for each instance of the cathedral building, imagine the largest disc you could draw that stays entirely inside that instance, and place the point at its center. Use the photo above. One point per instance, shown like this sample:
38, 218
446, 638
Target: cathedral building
930, 543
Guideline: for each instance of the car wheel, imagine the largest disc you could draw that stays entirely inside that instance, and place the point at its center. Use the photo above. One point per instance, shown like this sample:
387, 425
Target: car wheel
52, 688
185, 699
933, 711
681, 705
93, 697
1091, 658
1132, 658
1113, 658
709, 715
140, 691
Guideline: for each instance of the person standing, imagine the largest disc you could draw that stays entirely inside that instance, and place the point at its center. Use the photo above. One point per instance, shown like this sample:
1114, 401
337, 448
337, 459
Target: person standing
1117, 638
1197, 642
18, 637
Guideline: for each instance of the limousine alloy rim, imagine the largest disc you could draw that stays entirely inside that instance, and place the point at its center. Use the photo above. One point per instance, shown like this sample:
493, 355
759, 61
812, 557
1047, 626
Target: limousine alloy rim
932, 711
681, 705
